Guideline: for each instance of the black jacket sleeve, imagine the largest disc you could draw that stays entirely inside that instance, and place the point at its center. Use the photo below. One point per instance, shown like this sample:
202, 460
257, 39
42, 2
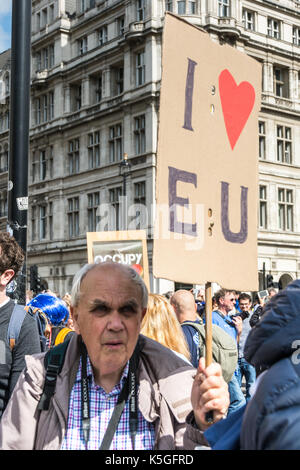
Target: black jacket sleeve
255, 317
28, 343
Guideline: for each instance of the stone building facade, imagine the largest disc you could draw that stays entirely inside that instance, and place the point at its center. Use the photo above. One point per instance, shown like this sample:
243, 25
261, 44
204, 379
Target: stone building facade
96, 69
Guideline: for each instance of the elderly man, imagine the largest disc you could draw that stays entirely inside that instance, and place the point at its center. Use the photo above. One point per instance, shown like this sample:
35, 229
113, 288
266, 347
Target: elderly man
110, 369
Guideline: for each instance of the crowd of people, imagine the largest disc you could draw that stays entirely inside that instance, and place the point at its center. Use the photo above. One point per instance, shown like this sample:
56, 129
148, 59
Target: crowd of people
112, 366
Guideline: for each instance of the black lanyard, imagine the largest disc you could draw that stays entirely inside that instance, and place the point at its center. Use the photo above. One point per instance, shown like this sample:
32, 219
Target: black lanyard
129, 390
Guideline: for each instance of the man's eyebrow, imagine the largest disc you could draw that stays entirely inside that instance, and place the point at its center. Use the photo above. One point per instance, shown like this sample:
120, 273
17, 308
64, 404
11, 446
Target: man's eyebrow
129, 303
98, 303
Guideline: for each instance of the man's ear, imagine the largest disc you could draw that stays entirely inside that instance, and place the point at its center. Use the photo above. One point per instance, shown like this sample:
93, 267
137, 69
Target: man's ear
74, 314
6, 277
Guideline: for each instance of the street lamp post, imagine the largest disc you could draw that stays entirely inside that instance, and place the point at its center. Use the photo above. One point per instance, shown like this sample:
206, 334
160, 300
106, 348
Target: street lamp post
19, 131
124, 171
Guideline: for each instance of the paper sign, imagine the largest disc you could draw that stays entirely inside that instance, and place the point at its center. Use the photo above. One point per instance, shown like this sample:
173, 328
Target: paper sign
125, 247
207, 161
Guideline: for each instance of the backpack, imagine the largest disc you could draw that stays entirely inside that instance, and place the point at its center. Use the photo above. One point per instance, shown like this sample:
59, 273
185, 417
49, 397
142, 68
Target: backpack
224, 348
59, 334
16, 321
53, 362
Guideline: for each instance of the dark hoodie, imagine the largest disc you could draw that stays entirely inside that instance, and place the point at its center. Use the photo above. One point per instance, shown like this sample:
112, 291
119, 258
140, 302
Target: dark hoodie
272, 417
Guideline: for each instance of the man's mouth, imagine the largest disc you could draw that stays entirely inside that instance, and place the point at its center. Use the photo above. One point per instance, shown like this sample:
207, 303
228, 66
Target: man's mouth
113, 344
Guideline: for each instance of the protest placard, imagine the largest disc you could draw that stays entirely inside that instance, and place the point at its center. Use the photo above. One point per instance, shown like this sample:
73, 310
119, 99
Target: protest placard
126, 247
207, 161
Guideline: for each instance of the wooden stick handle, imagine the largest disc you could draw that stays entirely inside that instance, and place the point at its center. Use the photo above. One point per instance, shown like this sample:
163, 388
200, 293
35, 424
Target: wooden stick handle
208, 324
208, 336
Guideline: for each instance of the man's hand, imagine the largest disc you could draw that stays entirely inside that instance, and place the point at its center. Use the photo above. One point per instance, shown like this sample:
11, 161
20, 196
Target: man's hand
209, 392
238, 323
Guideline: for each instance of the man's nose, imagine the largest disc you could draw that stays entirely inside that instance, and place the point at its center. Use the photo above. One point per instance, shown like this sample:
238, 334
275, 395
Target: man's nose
115, 321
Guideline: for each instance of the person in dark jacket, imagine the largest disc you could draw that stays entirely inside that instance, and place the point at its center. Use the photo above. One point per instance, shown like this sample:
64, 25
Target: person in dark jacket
12, 358
272, 417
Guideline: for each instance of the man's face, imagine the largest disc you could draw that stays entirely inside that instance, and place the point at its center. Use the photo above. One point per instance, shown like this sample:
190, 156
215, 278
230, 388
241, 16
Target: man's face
245, 305
108, 317
228, 301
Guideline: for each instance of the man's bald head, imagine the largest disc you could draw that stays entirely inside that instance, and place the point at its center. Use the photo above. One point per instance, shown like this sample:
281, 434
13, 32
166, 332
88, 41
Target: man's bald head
184, 305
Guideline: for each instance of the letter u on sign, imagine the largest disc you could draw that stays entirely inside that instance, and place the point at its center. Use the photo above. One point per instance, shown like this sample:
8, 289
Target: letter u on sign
234, 237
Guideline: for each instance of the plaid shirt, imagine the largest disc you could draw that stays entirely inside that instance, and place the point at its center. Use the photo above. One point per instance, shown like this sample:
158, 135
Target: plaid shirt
102, 405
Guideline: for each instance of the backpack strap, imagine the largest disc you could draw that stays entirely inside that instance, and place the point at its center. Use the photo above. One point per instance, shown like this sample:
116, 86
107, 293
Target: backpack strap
53, 362
15, 325
62, 334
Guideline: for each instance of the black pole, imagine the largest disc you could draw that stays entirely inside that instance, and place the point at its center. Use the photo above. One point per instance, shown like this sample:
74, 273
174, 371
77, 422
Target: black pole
264, 276
19, 130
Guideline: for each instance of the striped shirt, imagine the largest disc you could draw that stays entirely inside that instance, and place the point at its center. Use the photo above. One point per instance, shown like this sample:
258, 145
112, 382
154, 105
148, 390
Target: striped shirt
102, 405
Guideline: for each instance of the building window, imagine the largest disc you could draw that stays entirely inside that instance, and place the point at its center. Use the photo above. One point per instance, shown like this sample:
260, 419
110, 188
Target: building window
93, 204
296, 36
120, 25
33, 223
262, 139
50, 150
44, 17
115, 143
284, 144
50, 219
94, 149
45, 58
83, 5
37, 111
273, 28
73, 216
169, 5
281, 82
98, 90
4, 160
263, 207
102, 35
118, 74
191, 8
140, 68
51, 105
3, 204
73, 156
224, 8
114, 199
140, 10
139, 134
51, 13
139, 198
82, 45
38, 21
248, 19
42, 222
285, 209
43, 165
44, 108
183, 7
77, 96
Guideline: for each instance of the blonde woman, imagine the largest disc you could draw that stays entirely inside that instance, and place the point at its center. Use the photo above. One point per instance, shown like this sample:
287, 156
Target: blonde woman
160, 323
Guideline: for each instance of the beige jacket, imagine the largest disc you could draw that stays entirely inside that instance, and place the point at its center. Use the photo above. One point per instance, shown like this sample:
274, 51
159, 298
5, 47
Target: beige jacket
164, 398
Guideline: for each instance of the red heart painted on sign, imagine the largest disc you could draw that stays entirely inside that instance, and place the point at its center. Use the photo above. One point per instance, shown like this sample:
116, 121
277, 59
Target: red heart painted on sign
237, 103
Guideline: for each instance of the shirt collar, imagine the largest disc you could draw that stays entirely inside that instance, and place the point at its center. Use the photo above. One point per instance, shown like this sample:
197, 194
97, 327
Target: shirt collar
90, 375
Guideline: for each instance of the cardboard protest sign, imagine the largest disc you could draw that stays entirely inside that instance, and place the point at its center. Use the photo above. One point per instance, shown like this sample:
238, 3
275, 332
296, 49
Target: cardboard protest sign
207, 161
126, 247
